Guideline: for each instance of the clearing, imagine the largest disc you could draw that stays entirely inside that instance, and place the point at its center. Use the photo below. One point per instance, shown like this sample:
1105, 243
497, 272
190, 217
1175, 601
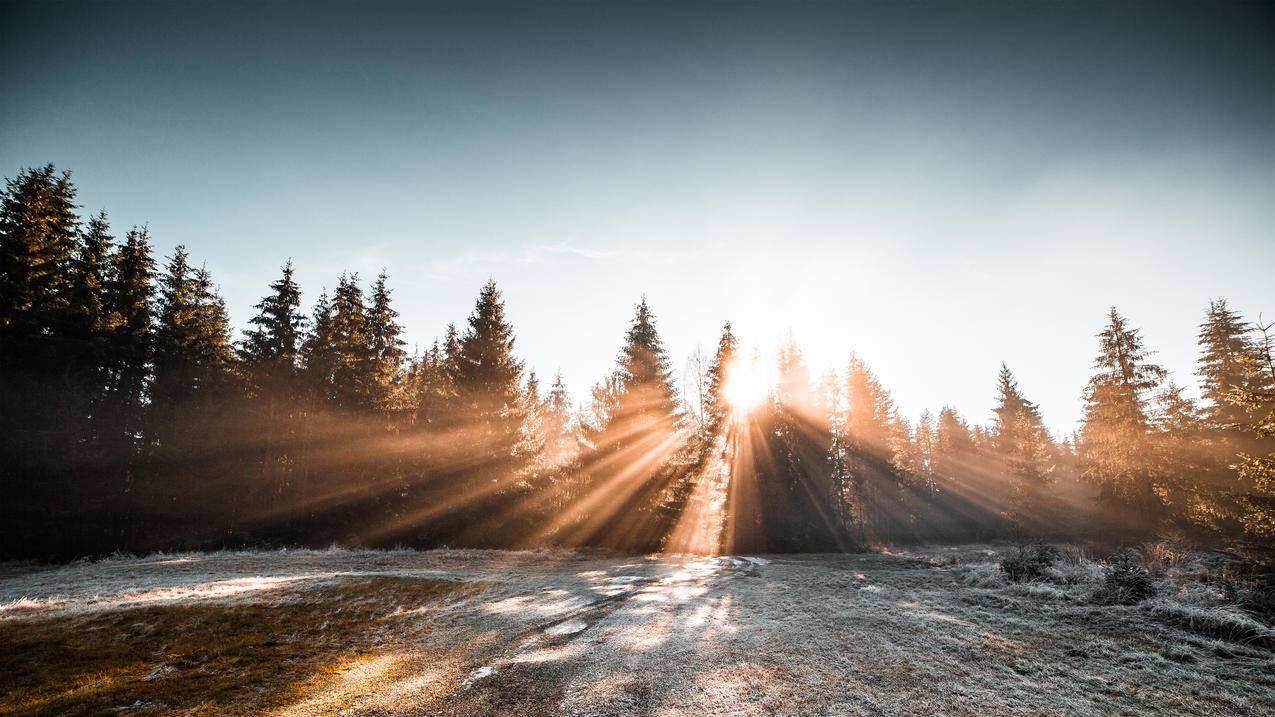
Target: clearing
468, 632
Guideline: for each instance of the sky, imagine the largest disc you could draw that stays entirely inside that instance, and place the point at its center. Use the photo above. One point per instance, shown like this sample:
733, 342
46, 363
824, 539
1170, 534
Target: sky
939, 186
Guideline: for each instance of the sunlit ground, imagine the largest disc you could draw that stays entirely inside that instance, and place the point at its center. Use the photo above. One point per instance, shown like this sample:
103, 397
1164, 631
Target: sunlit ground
556, 632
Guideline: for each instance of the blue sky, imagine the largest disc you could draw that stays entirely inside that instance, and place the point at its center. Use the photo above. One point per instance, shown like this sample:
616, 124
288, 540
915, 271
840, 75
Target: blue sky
939, 186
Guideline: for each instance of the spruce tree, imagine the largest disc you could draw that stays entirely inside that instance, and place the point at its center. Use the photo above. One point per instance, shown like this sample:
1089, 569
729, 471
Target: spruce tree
90, 275
318, 351
129, 296
953, 445
271, 350
632, 437
386, 346
716, 409
1257, 463
488, 385
557, 424
1224, 365
1113, 451
1019, 438
353, 371
192, 353
38, 243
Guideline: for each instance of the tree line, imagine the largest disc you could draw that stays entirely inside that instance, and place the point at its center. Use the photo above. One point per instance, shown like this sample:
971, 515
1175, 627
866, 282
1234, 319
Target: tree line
133, 419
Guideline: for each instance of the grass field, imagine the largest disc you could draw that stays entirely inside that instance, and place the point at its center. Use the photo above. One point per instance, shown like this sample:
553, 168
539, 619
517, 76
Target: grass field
926, 632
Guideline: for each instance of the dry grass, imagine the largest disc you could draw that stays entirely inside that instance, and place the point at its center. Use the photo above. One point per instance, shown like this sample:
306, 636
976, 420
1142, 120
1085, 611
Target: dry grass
237, 658
918, 632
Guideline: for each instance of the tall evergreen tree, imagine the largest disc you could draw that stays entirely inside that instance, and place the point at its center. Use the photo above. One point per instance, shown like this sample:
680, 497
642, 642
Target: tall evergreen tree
271, 350
632, 437
716, 408
1257, 463
1226, 350
90, 274
1113, 450
557, 424
129, 296
318, 350
489, 387
953, 453
353, 374
1019, 438
387, 353
38, 243
193, 353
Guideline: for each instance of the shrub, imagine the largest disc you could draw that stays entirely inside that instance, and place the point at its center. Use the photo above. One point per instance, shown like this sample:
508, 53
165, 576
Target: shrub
1127, 581
1029, 562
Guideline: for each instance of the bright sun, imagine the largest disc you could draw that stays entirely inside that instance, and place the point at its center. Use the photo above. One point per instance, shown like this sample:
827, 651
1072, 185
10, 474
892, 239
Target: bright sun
745, 388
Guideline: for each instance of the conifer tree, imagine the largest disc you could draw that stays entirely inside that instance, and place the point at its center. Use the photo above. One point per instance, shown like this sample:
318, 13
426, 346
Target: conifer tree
560, 445
1113, 449
869, 410
793, 387
387, 353
353, 377
271, 350
128, 299
318, 350
1257, 463
724, 361
488, 385
924, 439
632, 437
38, 243
1019, 438
1226, 350
953, 445
89, 275
192, 352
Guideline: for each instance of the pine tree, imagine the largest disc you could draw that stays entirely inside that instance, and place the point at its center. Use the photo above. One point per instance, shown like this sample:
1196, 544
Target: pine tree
90, 275
924, 439
869, 410
631, 438
387, 353
193, 353
38, 243
271, 350
1257, 464
318, 351
793, 387
1113, 449
1224, 366
353, 374
557, 425
128, 299
953, 445
489, 387
716, 408
1019, 438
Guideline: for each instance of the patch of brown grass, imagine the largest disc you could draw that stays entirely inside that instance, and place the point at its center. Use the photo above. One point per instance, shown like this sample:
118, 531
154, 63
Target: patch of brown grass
203, 659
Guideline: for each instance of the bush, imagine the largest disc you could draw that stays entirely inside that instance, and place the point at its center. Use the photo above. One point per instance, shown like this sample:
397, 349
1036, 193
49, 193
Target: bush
1029, 562
1127, 581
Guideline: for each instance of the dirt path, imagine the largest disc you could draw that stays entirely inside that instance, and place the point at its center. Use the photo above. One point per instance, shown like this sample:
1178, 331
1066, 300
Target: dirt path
589, 634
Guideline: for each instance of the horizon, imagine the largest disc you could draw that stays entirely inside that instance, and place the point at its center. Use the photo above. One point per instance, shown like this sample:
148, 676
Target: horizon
949, 208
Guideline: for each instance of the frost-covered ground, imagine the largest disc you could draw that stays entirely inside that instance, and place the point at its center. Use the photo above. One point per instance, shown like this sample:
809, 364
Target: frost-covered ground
926, 632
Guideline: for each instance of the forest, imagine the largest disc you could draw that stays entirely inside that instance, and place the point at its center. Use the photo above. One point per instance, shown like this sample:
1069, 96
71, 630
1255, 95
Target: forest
134, 418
